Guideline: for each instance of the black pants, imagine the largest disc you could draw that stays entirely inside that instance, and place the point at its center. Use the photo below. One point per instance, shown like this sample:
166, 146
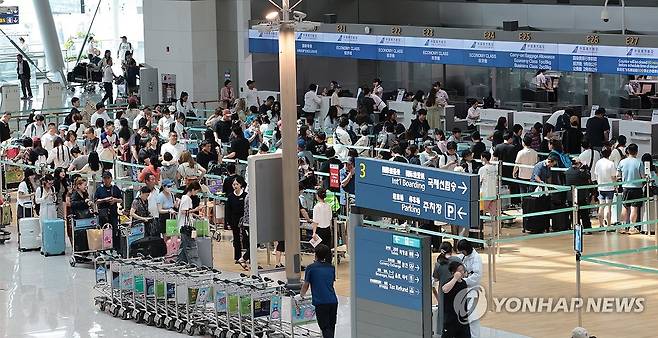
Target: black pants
310, 118
109, 93
326, 317
237, 241
245, 242
454, 329
25, 86
583, 215
326, 235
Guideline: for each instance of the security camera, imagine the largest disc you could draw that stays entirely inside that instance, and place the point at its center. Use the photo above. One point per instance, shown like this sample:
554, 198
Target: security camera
299, 16
605, 17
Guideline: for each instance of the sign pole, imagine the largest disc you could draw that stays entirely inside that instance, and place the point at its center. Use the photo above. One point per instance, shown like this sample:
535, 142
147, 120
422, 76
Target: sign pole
577, 247
490, 258
578, 294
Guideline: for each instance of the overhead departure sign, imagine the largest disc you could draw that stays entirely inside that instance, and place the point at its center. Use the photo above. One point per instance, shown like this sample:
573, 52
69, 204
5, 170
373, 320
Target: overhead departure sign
8, 15
417, 192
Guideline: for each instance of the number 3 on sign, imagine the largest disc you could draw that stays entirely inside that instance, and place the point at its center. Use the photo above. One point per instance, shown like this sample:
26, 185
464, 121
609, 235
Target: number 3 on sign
362, 170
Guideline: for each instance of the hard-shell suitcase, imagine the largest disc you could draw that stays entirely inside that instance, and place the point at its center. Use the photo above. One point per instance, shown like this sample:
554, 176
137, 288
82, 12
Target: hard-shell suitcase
29, 234
148, 247
204, 245
53, 237
535, 224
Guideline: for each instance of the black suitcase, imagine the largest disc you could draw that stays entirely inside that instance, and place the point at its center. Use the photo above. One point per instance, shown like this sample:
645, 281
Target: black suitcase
560, 221
148, 247
535, 224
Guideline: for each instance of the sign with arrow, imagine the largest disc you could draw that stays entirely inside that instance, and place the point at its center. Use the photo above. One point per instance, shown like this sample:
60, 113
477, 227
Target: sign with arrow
417, 192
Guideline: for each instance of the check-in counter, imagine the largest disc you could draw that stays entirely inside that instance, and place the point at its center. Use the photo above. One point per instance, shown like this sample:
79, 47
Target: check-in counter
405, 111
614, 127
452, 121
489, 118
527, 119
642, 133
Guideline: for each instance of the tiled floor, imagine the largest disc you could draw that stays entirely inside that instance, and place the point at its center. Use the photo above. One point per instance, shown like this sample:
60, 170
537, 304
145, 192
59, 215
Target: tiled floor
46, 298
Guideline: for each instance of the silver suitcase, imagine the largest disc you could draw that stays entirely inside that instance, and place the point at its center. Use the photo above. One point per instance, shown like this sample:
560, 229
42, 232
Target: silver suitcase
204, 245
29, 234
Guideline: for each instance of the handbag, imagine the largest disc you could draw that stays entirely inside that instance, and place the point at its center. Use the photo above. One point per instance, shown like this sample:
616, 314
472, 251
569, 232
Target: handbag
202, 227
171, 227
107, 236
95, 239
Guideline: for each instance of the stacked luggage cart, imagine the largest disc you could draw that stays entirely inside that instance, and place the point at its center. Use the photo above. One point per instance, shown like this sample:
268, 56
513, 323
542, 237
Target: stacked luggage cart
196, 300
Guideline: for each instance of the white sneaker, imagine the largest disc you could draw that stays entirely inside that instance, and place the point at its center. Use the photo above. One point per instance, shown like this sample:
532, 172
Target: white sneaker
633, 231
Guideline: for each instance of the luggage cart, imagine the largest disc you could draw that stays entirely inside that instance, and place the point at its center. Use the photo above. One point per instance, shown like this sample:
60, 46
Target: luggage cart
83, 256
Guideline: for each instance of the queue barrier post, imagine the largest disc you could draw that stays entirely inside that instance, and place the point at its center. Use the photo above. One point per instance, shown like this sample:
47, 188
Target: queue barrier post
655, 225
490, 259
574, 222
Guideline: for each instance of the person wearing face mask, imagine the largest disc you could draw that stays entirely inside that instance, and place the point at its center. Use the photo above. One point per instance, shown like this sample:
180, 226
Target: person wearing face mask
167, 204
453, 323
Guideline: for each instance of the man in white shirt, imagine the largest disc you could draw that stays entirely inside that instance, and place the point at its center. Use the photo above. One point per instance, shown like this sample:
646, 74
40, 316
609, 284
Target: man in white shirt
251, 95
606, 173
588, 157
528, 158
146, 113
173, 147
36, 128
311, 103
124, 47
100, 113
49, 137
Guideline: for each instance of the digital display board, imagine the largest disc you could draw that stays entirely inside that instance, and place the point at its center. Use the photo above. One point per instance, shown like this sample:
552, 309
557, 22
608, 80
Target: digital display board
8, 15
390, 267
417, 192
485, 53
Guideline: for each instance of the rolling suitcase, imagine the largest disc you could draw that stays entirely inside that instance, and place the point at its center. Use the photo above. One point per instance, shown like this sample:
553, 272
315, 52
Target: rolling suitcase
29, 234
204, 245
535, 224
560, 221
53, 237
149, 247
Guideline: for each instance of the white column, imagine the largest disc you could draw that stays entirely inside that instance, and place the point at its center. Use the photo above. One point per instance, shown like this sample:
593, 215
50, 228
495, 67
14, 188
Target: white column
180, 37
52, 49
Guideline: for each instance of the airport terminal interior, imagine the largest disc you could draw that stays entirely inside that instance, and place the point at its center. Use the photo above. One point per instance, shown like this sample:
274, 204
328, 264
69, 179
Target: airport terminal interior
329, 168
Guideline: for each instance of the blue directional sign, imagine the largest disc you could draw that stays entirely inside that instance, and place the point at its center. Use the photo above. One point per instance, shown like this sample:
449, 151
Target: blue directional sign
486, 53
417, 192
391, 267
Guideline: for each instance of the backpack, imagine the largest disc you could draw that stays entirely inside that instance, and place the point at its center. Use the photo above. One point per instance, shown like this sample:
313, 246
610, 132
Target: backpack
566, 161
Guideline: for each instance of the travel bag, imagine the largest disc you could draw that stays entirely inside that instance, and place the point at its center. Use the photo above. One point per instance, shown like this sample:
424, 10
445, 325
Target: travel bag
532, 204
148, 247
29, 234
204, 245
560, 221
53, 237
